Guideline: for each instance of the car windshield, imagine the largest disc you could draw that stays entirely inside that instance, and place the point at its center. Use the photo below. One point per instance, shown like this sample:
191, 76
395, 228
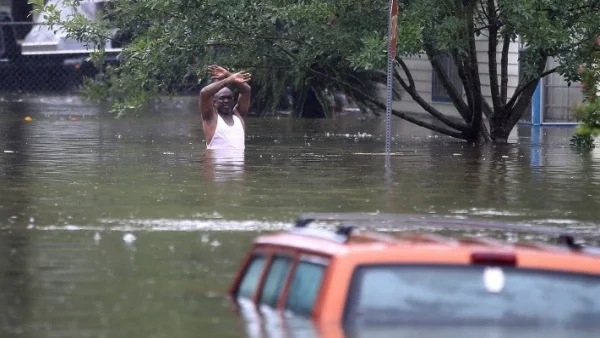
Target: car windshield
447, 294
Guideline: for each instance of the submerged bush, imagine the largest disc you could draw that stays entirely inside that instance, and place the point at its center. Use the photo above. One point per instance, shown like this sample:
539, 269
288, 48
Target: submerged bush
588, 112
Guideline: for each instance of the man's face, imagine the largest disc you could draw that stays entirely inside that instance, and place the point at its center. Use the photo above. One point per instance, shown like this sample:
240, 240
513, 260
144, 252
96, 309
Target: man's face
223, 101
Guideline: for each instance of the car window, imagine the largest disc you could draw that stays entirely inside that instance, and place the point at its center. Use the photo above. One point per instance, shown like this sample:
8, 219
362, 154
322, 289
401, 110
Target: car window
251, 277
304, 287
471, 294
276, 277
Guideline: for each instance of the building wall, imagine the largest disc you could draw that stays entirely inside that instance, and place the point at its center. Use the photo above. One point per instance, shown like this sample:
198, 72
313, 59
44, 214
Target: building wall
423, 76
559, 100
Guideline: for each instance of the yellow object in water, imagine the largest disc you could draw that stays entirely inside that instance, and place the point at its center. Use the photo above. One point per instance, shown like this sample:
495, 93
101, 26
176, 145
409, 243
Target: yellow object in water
27, 118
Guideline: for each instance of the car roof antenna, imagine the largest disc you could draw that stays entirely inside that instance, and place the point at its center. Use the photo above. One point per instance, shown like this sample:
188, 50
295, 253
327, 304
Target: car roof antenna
569, 241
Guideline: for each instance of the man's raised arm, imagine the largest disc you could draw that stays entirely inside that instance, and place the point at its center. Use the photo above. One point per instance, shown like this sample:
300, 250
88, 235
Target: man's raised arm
243, 103
206, 97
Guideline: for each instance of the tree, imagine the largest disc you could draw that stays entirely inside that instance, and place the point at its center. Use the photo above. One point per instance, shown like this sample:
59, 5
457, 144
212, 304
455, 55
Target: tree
315, 47
589, 110
558, 29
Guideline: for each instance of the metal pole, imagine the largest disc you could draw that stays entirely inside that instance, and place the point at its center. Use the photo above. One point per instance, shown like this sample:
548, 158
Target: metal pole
392, 30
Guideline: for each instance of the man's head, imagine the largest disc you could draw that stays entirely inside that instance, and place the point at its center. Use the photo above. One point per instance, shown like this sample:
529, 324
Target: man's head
223, 101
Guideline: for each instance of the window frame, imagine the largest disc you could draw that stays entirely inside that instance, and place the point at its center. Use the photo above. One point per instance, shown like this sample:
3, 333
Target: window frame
311, 259
236, 292
2, 44
352, 294
267, 269
451, 71
270, 253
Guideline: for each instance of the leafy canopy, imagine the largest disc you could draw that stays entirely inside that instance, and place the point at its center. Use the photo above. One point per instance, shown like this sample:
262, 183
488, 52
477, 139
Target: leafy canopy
312, 46
319, 46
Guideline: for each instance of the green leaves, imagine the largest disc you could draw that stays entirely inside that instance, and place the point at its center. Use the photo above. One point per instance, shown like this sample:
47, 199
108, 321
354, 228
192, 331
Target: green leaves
297, 44
309, 47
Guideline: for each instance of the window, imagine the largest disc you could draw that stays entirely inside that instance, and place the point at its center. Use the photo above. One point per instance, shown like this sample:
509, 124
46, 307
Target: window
251, 277
445, 294
276, 277
2, 43
438, 92
305, 287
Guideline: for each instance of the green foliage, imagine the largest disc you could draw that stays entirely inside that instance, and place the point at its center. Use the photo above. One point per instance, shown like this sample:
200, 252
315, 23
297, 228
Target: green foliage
312, 46
588, 112
315, 47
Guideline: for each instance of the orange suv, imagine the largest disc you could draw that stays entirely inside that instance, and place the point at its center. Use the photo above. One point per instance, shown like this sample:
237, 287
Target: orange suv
353, 277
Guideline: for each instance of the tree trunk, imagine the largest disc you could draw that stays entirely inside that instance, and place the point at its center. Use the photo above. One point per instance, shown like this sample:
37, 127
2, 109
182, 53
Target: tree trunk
499, 128
312, 108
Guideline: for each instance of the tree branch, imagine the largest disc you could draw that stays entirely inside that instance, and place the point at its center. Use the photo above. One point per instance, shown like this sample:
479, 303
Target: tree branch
464, 79
504, 66
524, 97
478, 30
420, 123
523, 86
409, 77
397, 113
452, 92
473, 67
492, 50
417, 98
487, 110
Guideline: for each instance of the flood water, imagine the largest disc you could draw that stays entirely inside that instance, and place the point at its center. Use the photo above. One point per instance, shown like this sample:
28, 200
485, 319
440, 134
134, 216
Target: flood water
130, 228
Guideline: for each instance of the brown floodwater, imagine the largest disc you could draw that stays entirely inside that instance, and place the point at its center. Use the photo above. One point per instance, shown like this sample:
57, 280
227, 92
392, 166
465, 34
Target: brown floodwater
130, 228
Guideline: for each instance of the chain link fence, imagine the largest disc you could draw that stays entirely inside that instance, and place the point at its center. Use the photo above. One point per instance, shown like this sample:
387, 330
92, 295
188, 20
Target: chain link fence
40, 66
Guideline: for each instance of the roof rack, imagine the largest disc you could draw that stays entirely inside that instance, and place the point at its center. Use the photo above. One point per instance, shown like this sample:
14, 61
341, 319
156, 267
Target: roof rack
564, 238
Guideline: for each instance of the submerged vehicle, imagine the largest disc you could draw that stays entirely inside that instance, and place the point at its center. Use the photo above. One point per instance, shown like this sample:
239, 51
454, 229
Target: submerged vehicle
351, 278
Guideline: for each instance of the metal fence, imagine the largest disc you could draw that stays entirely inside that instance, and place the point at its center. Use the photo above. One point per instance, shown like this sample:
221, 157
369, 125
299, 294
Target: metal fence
47, 66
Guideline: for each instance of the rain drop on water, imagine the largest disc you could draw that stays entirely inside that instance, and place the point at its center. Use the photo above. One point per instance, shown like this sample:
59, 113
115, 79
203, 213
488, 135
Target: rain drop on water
129, 238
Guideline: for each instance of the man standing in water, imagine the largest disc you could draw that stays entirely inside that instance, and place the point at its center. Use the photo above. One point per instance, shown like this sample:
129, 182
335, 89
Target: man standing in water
223, 123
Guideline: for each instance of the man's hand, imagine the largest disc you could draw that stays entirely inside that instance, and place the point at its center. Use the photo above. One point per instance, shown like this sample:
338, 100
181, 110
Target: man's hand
218, 72
240, 77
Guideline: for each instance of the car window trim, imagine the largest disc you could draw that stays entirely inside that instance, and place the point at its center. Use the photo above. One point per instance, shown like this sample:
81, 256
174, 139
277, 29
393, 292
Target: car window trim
243, 272
267, 269
310, 258
352, 295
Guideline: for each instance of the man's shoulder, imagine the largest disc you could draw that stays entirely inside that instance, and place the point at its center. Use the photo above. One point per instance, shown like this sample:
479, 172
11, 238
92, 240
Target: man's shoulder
237, 113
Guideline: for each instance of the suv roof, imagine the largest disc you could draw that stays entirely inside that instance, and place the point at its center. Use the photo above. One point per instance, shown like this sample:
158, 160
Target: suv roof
349, 275
348, 240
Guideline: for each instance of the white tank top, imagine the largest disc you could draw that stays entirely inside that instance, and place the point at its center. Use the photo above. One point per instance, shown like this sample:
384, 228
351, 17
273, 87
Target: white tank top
228, 137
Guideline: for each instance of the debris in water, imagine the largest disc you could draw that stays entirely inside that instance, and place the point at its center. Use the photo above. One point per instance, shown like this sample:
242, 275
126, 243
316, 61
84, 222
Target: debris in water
215, 243
204, 239
129, 238
97, 237
27, 119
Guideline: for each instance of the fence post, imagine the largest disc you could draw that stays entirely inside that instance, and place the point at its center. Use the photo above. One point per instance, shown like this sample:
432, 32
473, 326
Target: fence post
537, 106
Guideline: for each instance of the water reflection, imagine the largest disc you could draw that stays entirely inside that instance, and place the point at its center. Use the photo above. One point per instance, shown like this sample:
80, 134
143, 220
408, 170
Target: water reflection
14, 240
223, 165
194, 212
